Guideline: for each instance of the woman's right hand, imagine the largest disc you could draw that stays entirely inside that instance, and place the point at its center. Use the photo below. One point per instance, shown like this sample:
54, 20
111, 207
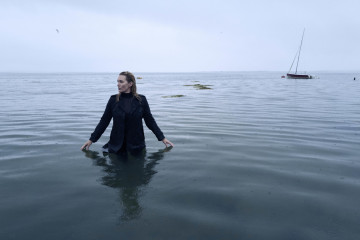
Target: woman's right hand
86, 145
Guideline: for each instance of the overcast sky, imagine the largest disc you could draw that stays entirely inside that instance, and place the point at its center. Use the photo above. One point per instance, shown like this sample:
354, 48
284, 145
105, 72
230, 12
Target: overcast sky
178, 35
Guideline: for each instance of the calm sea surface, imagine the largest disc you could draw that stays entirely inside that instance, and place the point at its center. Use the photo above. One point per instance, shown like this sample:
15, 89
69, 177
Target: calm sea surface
255, 157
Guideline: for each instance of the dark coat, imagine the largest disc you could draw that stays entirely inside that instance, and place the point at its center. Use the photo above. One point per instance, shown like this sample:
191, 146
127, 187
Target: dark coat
130, 129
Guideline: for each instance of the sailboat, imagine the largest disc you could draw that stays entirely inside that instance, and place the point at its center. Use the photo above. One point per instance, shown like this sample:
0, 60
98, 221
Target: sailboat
295, 75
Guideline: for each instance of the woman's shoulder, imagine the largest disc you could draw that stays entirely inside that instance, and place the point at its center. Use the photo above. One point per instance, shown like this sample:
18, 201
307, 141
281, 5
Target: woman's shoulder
112, 98
142, 99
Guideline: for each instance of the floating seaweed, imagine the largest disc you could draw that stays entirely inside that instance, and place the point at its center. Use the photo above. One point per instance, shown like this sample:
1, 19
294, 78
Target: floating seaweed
173, 96
199, 86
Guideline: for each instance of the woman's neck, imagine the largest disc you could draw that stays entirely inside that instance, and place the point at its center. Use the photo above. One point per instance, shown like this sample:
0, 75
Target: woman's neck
126, 95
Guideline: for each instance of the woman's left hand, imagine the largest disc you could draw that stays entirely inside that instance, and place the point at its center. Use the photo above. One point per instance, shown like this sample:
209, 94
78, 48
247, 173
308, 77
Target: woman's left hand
166, 142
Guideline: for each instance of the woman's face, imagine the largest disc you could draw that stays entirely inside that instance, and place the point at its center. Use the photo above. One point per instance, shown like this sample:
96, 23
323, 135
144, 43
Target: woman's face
123, 85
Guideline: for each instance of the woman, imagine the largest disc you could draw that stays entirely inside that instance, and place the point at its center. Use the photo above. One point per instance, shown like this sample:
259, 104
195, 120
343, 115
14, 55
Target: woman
127, 110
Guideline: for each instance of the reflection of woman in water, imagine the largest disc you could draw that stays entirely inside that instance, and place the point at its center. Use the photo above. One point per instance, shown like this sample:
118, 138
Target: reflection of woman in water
129, 176
127, 109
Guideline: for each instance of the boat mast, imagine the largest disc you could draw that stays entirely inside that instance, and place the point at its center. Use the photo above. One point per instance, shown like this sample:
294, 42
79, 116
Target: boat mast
293, 61
300, 51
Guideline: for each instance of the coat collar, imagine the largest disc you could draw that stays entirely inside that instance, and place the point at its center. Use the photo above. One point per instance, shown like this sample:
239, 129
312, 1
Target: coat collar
134, 104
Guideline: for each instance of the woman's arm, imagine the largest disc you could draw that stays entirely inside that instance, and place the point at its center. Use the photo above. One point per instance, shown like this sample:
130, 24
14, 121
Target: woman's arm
102, 125
151, 123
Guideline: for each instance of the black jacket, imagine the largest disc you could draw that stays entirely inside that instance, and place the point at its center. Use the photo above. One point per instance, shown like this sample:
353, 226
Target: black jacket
130, 129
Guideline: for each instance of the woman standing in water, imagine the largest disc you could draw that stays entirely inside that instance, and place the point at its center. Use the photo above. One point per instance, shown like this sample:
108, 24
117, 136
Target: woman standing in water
127, 108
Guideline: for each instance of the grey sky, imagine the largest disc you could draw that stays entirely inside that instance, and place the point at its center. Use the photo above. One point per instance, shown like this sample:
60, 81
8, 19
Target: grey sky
172, 36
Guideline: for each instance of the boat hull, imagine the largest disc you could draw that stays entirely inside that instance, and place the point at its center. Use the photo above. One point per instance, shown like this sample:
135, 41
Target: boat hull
298, 76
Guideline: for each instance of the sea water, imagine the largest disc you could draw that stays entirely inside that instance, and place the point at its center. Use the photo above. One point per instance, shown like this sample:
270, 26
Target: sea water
256, 156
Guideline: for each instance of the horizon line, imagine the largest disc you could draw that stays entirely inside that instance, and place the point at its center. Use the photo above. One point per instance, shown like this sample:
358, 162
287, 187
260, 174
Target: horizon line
199, 71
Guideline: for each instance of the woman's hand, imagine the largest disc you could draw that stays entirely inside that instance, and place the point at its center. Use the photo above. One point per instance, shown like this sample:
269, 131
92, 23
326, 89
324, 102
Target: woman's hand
86, 145
166, 142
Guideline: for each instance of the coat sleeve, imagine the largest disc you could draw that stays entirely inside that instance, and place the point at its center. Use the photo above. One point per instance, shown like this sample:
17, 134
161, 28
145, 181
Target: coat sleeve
104, 121
150, 121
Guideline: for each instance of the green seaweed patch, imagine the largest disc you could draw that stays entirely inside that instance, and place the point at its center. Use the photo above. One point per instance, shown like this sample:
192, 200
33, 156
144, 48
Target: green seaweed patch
199, 86
173, 96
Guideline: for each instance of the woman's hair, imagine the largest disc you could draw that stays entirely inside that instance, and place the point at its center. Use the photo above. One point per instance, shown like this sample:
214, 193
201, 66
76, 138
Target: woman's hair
129, 78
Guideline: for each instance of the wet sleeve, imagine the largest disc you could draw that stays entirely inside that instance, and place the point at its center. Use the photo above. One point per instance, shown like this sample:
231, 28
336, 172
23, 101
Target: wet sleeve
150, 121
104, 122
